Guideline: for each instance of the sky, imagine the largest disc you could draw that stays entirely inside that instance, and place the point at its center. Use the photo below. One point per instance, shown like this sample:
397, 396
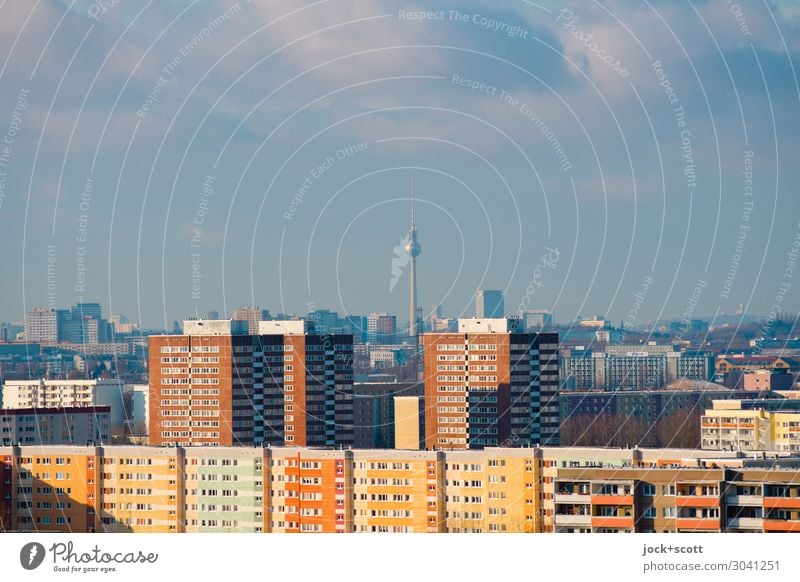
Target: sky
633, 159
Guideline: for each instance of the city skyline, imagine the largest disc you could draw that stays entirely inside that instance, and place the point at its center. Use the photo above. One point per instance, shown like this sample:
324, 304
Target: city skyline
575, 159
124, 326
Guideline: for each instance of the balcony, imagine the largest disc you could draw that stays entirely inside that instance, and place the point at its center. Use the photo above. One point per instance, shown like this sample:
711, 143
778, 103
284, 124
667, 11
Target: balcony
749, 523
781, 502
698, 523
612, 499
573, 520
697, 501
781, 525
744, 500
573, 498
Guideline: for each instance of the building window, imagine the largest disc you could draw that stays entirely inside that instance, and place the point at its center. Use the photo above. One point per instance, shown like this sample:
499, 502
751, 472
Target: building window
648, 490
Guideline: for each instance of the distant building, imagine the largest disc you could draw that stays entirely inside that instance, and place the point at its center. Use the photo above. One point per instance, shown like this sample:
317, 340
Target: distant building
646, 405
85, 330
766, 380
308, 490
730, 368
691, 327
489, 304
216, 327
95, 349
67, 394
381, 328
607, 336
536, 319
434, 314
9, 332
325, 321
20, 350
252, 315
632, 367
79, 363
356, 325
383, 358
121, 324
752, 425
447, 324
374, 412
90, 310
778, 346
594, 322
490, 384
41, 325
71, 425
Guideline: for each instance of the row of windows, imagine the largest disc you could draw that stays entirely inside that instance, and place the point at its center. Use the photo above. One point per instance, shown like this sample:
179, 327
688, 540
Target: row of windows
190, 381
186, 392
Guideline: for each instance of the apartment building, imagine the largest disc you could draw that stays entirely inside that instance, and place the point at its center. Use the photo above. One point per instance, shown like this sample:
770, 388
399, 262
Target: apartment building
398, 492
490, 385
135, 489
632, 367
752, 425
218, 385
51, 489
762, 500
494, 490
224, 490
55, 426
67, 394
638, 500
732, 369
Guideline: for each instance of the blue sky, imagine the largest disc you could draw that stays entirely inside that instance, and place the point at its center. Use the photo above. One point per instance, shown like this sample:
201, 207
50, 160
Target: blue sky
527, 125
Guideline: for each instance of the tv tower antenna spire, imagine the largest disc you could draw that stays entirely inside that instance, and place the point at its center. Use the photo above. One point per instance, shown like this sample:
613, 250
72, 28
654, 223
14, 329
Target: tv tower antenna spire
413, 249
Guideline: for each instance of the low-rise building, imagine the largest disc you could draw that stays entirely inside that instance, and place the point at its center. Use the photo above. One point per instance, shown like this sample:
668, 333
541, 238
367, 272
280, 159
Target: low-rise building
766, 380
752, 425
731, 369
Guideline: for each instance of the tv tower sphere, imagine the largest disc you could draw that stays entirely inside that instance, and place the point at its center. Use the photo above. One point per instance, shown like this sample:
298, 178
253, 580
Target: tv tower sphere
412, 248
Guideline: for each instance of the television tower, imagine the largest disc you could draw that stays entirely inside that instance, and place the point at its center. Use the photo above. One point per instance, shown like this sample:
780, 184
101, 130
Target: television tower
413, 249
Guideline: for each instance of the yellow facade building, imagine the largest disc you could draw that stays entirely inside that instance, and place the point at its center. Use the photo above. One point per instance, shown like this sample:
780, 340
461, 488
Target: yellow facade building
738, 425
306, 490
